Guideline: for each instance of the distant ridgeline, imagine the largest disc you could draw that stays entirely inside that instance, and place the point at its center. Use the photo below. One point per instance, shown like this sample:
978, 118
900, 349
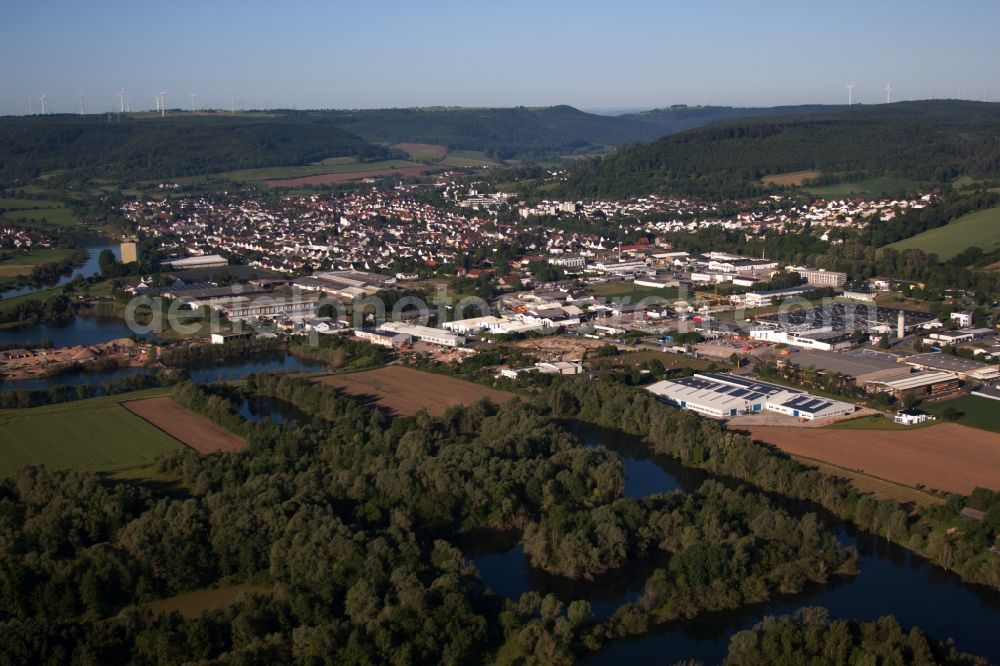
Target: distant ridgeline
930, 141
719, 151
149, 147
175, 146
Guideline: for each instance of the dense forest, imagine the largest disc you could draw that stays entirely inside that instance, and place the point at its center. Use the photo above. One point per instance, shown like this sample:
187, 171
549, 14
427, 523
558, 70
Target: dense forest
810, 637
178, 145
349, 523
932, 141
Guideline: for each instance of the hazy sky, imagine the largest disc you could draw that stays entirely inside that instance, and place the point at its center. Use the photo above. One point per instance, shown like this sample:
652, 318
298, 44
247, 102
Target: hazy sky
371, 53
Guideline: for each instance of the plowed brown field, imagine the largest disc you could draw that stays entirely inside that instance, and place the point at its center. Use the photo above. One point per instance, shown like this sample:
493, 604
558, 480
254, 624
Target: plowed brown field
401, 390
947, 457
198, 432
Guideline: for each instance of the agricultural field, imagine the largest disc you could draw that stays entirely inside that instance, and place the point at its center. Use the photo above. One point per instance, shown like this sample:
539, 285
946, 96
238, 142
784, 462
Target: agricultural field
333, 165
628, 290
11, 204
40, 212
948, 457
790, 178
423, 152
467, 158
981, 229
197, 432
395, 168
405, 391
976, 412
872, 187
95, 435
23, 263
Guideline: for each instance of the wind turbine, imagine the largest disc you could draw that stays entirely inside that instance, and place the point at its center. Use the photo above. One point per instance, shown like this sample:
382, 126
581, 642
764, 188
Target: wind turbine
121, 98
232, 105
163, 103
850, 94
128, 104
193, 95
888, 92
42, 100
81, 96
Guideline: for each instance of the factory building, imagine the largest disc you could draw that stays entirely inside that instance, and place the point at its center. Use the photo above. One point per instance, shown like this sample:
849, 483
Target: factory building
723, 395
492, 324
926, 385
962, 368
823, 340
204, 261
434, 336
863, 366
383, 338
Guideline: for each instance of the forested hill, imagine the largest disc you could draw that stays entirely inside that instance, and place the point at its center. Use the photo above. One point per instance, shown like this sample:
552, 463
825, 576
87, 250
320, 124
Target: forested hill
518, 132
138, 147
526, 133
928, 141
681, 117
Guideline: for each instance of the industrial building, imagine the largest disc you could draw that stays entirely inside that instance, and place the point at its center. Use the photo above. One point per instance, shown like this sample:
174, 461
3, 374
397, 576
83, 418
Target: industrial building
295, 308
492, 324
434, 336
863, 366
962, 368
347, 284
848, 317
962, 336
759, 299
723, 395
932, 385
383, 338
819, 339
204, 261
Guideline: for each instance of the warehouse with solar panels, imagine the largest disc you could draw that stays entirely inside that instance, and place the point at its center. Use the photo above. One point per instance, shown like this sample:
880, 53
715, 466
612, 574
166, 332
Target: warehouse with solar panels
722, 395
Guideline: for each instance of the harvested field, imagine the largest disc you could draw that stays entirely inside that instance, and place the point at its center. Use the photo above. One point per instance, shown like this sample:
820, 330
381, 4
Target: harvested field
347, 176
790, 178
423, 151
405, 391
946, 457
196, 431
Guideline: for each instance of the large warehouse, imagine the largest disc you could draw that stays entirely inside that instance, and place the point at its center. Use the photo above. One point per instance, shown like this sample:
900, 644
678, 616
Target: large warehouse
862, 365
723, 395
963, 368
929, 384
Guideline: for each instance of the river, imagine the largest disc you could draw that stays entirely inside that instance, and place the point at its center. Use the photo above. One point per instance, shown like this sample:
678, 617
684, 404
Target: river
81, 331
891, 581
94, 246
